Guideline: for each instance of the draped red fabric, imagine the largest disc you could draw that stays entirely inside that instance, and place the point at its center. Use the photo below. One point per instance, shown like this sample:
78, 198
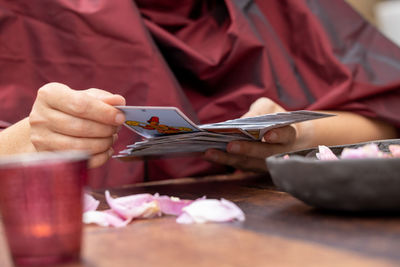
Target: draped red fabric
211, 59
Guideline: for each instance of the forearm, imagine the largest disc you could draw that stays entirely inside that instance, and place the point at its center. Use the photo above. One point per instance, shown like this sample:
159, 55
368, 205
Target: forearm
345, 128
16, 139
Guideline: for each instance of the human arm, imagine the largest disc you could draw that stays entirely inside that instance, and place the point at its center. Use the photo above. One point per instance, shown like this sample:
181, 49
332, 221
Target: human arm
345, 128
62, 118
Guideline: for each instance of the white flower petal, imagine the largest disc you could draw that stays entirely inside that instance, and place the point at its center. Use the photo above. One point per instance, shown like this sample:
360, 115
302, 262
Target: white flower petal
213, 210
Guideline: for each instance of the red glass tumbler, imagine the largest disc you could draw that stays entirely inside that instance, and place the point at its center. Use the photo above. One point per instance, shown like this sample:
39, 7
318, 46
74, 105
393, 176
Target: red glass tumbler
41, 206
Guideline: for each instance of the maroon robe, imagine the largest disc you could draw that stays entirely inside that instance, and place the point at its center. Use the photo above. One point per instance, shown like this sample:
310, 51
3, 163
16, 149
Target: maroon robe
211, 59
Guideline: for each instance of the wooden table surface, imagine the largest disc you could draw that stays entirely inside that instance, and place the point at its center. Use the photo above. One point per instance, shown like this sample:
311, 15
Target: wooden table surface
279, 231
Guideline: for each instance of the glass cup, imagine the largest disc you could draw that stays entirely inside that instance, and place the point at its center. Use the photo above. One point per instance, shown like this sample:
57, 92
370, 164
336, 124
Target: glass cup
41, 206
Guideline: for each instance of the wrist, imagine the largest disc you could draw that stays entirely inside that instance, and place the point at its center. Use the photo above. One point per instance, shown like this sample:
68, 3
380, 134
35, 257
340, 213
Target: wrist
305, 135
16, 139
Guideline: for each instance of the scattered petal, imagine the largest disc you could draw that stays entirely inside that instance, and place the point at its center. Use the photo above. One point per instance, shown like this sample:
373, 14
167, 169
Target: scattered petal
366, 151
89, 203
211, 210
395, 150
104, 218
185, 218
325, 153
134, 206
172, 205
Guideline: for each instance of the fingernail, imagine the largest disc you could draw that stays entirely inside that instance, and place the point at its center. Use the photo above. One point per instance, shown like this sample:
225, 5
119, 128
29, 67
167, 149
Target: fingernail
120, 118
272, 137
233, 147
110, 152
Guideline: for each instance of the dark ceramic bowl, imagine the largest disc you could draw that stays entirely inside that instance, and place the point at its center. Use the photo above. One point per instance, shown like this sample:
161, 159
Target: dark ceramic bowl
345, 184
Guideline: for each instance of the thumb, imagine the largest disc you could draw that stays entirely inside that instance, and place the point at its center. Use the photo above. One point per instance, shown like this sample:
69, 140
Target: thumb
263, 106
282, 135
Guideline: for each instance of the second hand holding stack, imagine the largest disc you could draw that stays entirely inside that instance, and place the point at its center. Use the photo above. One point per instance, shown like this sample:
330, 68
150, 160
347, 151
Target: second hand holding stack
167, 131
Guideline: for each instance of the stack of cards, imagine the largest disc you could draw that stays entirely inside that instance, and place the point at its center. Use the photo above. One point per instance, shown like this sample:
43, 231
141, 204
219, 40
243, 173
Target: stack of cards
167, 131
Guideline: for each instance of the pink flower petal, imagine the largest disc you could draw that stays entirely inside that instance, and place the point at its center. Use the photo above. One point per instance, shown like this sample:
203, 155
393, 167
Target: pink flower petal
185, 218
171, 205
134, 206
325, 153
395, 150
104, 218
366, 151
211, 210
89, 203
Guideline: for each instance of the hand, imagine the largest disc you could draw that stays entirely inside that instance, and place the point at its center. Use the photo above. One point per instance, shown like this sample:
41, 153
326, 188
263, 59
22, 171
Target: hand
249, 155
63, 119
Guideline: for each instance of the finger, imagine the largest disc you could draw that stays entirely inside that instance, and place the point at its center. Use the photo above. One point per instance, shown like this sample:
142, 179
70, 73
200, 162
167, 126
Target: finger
66, 124
79, 104
52, 141
115, 137
100, 158
282, 135
115, 100
237, 161
256, 149
107, 97
98, 93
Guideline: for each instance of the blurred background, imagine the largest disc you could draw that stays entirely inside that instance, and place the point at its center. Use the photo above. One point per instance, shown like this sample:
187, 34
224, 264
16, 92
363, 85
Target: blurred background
384, 14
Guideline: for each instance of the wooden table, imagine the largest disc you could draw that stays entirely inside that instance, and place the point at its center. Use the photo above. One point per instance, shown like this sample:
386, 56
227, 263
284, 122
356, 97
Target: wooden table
279, 231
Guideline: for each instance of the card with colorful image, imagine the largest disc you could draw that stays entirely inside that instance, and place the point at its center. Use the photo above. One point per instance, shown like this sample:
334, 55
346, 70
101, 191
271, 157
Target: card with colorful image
157, 121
